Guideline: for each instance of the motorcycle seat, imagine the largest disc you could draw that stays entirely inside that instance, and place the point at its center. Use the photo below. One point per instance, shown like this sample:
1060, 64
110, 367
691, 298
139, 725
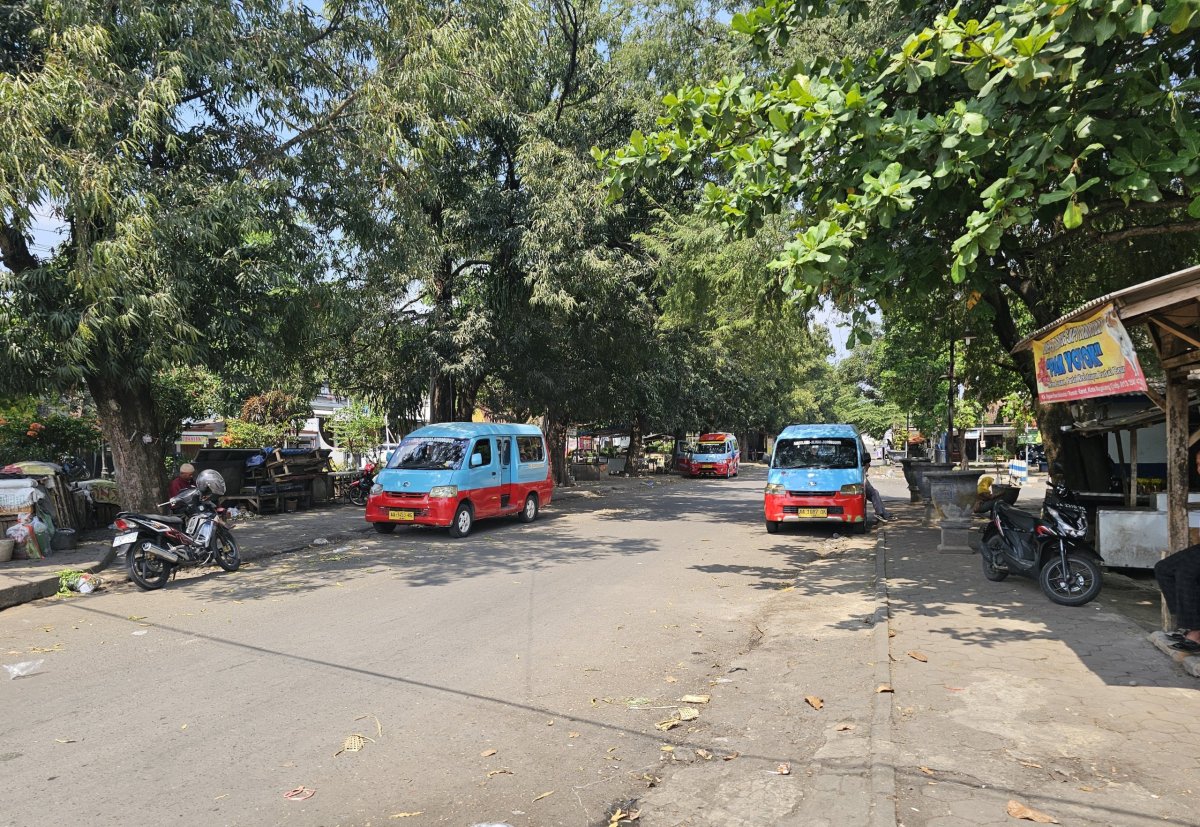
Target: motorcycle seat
1015, 517
170, 519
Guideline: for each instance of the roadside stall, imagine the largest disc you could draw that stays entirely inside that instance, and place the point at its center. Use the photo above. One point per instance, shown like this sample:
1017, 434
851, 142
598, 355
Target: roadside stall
1087, 353
38, 510
270, 479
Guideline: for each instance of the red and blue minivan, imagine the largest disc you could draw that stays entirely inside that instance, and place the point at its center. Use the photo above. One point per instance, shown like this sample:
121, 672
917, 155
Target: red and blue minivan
454, 473
817, 474
716, 455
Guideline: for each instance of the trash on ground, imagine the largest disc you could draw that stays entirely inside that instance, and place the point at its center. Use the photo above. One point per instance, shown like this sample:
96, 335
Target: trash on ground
71, 580
353, 743
320, 541
138, 633
544, 795
1018, 810
300, 793
782, 769
406, 815
730, 756
619, 816
695, 699
22, 669
705, 754
669, 723
814, 701
687, 713
501, 771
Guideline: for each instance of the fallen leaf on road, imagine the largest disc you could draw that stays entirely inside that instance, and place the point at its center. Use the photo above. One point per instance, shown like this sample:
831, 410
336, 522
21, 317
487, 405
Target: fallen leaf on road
730, 756
787, 588
406, 815
544, 795
666, 748
814, 701
1018, 810
687, 713
620, 816
670, 679
651, 780
572, 734
845, 727
1030, 764
501, 771
891, 632
65, 741
783, 769
136, 617
550, 723
695, 699
884, 687
184, 726
611, 749
954, 688
669, 723
487, 753
915, 655
926, 770
705, 754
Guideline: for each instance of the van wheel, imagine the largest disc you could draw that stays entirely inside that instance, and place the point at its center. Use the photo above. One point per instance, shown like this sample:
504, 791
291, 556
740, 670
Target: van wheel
772, 527
464, 518
384, 528
530, 511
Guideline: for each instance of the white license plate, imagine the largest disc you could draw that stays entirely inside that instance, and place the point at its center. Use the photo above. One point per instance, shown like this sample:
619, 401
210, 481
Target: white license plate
122, 539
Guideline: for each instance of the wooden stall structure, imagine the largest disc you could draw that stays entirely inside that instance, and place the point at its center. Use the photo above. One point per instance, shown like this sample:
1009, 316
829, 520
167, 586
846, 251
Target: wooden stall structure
282, 480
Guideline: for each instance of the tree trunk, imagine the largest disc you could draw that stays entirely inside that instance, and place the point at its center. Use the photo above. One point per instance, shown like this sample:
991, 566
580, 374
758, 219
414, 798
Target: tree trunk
127, 418
465, 399
556, 436
633, 456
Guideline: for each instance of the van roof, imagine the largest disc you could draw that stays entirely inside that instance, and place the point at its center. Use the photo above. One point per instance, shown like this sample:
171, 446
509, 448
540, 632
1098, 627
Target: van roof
715, 436
817, 431
466, 430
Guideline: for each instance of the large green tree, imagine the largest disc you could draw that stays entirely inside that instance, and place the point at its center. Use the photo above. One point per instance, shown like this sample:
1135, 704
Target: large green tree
963, 162
165, 143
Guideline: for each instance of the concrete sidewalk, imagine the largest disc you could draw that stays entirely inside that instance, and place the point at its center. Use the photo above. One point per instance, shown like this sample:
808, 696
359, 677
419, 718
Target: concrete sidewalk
1001, 695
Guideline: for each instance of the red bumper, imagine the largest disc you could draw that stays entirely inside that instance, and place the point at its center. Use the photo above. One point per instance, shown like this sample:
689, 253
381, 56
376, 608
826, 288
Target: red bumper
390, 508
711, 469
840, 508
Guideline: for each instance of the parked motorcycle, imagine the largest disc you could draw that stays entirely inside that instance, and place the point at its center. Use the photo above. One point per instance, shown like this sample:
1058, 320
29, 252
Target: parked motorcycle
1050, 550
359, 489
197, 534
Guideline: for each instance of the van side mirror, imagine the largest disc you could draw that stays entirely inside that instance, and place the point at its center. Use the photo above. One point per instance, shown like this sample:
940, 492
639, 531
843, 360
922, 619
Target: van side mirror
476, 460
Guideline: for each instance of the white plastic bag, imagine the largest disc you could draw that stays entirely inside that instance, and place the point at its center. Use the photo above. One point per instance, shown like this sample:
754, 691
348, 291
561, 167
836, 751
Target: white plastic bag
20, 670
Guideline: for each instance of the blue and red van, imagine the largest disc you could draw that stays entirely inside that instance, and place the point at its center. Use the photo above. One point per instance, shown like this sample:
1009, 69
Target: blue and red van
716, 455
454, 473
817, 474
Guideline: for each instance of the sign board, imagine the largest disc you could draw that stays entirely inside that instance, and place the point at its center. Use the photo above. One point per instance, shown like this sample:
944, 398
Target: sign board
971, 435
1092, 357
1030, 438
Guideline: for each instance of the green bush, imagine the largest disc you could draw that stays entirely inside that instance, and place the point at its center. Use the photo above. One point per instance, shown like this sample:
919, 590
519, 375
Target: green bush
46, 438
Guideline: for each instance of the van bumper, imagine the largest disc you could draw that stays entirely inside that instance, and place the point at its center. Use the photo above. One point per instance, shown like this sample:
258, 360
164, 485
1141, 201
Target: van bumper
839, 508
387, 508
711, 469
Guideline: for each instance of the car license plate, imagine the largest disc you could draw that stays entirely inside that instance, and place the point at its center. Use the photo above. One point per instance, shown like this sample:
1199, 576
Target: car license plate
708, 467
812, 512
122, 539
401, 515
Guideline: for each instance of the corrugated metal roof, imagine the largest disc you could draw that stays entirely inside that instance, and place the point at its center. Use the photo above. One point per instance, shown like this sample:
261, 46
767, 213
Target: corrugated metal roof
1134, 297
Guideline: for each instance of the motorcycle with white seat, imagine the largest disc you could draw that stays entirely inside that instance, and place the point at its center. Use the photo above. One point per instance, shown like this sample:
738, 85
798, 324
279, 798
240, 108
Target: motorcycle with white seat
197, 533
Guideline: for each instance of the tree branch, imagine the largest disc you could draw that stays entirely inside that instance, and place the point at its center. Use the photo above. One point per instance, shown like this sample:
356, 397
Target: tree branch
14, 250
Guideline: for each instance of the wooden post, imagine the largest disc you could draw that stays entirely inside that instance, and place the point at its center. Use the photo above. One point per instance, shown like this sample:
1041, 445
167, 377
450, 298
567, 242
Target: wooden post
1121, 462
1133, 471
1177, 471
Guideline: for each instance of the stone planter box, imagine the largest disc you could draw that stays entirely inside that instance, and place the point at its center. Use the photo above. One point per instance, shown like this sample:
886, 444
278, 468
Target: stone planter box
953, 497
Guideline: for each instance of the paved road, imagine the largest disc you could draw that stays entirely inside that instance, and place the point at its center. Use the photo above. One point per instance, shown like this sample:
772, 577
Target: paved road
483, 673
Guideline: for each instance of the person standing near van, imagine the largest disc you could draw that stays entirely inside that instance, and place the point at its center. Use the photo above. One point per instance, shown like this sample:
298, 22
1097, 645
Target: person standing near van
881, 512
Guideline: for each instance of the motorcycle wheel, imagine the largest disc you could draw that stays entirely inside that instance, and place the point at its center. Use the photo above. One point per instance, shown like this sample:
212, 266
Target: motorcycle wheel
148, 571
1078, 585
357, 497
990, 571
229, 556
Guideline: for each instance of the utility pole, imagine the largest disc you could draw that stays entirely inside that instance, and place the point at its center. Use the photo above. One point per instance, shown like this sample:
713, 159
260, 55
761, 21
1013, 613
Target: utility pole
950, 394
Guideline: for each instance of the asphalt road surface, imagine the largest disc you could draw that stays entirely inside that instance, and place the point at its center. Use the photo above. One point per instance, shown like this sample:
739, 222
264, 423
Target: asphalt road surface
515, 676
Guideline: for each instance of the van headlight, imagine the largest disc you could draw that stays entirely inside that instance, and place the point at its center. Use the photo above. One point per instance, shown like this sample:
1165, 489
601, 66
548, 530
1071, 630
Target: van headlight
443, 492
377, 488
774, 488
854, 490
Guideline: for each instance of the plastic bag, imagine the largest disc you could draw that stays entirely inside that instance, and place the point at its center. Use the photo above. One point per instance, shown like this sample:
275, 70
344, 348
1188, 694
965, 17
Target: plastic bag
18, 533
20, 670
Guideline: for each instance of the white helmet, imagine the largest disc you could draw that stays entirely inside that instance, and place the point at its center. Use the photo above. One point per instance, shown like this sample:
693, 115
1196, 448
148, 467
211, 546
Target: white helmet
210, 481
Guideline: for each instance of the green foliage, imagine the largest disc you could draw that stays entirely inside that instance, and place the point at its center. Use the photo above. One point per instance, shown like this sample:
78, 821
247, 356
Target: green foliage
242, 434
46, 438
276, 408
183, 393
357, 428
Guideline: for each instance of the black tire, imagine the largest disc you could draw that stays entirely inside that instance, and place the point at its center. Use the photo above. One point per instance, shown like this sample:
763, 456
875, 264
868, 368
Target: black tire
990, 571
464, 519
148, 571
228, 555
357, 496
384, 528
1080, 586
860, 527
772, 527
530, 510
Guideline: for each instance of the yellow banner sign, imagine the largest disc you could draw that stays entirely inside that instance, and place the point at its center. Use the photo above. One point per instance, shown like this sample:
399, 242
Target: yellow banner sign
1093, 357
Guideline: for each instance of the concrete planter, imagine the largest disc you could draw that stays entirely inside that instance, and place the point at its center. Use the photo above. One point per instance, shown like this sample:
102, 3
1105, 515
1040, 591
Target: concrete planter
910, 467
920, 469
953, 497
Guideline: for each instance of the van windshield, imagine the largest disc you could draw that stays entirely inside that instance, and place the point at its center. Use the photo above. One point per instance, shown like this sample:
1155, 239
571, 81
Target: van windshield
711, 448
816, 453
429, 453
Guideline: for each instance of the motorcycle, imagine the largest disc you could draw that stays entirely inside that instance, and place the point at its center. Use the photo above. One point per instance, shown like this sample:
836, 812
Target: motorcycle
359, 489
1050, 550
198, 534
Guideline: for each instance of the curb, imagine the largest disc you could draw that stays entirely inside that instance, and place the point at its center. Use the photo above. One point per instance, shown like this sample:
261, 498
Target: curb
883, 765
1189, 663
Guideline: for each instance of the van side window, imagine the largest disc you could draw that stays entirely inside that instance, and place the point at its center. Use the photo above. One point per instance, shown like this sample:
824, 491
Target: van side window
505, 446
484, 448
530, 448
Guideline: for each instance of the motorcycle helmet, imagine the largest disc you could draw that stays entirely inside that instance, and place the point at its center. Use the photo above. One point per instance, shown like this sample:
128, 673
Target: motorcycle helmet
211, 481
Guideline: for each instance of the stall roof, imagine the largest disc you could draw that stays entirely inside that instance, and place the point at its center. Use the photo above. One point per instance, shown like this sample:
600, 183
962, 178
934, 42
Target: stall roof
1174, 295
1128, 422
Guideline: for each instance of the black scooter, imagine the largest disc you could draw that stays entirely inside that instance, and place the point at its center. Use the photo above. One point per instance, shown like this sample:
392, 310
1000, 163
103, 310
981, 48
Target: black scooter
1051, 549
